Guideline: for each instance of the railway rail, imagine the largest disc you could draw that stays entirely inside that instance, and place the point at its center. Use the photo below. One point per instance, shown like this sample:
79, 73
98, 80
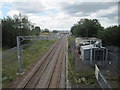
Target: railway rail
49, 72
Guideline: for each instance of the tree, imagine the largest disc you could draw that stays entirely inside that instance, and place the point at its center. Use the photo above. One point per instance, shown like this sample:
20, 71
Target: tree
75, 30
46, 30
37, 30
22, 24
19, 25
110, 35
55, 31
8, 32
86, 28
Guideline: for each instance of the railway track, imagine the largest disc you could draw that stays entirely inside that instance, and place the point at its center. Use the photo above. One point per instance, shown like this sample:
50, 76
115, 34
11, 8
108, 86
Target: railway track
49, 71
56, 75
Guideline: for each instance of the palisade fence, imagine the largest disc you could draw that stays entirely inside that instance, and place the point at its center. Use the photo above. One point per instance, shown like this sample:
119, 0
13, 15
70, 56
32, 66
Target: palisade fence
101, 80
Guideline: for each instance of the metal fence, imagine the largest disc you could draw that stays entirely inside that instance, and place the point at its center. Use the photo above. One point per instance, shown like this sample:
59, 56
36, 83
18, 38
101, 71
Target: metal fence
102, 81
76, 60
99, 76
114, 59
72, 47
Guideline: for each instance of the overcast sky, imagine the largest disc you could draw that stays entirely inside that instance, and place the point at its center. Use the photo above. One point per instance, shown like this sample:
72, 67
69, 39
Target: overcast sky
62, 14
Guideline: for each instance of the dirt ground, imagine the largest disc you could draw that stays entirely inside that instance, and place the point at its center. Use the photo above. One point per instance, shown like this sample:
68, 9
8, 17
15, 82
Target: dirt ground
79, 65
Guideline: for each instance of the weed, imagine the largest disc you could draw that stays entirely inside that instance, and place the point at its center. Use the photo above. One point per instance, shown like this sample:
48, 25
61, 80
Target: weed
28, 56
84, 79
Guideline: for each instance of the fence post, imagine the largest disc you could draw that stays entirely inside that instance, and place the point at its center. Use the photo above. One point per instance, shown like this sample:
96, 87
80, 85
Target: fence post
19, 55
96, 71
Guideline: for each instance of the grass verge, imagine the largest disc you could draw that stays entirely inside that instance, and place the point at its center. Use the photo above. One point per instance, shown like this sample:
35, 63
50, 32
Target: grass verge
28, 55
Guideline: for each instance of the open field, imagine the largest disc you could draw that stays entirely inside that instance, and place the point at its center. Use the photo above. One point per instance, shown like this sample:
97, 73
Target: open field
45, 33
29, 55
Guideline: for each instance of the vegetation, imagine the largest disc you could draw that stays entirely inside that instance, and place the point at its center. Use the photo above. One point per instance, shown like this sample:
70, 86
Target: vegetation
46, 30
110, 35
92, 28
19, 25
55, 31
29, 55
16, 26
36, 31
80, 79
86, 28
113, 80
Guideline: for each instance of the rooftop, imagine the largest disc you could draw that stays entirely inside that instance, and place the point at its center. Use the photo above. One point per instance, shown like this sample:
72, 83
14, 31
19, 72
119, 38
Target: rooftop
87, 47
88, 38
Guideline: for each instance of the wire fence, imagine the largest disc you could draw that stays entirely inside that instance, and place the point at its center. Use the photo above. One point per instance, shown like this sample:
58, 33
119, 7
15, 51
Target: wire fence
99, 76
113, 61
76, 60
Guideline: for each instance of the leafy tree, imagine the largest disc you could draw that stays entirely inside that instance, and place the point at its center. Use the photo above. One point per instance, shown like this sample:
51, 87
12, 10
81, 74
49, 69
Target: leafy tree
92, 28
55, 31
110, 35
46, 30
75, 30
37, 30
86, 28
8, 32
22, 24
19, 25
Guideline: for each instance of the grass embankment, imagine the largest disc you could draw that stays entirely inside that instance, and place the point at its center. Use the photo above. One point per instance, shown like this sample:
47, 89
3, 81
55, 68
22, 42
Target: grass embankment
28, 55
81, 79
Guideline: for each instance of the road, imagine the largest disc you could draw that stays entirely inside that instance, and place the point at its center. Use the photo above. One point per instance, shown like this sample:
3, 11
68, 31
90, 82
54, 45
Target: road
49, 72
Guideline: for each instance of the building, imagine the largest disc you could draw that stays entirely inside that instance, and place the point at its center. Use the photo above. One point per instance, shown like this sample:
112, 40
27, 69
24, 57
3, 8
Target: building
80, 41
91, 51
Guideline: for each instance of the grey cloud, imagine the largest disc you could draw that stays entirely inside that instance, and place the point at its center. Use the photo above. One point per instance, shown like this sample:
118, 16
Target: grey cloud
85, 7
111, 16
29, 7
80, 15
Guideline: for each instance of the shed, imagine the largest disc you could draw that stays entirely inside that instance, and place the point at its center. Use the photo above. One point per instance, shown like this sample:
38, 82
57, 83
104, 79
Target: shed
79, 41
85, 53
94, 55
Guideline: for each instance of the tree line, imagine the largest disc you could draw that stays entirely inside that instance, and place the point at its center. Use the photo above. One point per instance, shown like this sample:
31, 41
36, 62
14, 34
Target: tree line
92, 28
18, 25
